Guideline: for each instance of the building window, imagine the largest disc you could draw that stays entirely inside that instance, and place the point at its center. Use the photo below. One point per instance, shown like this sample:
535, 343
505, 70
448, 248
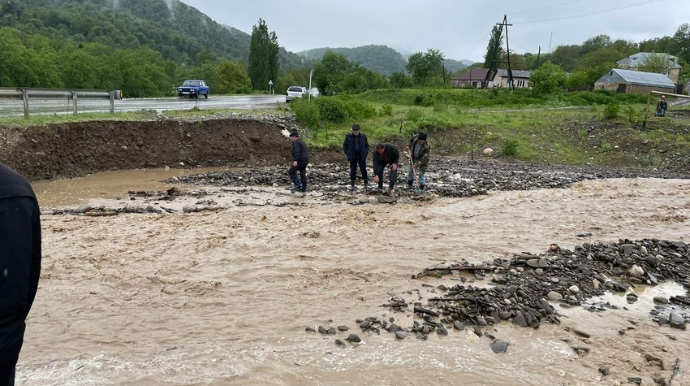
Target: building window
521, 83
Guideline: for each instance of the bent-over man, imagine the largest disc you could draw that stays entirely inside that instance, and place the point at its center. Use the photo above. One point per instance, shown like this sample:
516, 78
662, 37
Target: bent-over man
386, 154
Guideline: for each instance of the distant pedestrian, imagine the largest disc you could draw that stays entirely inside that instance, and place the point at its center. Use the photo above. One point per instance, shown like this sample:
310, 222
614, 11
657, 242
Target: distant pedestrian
300, 159
356, 148
418, 150
20, 265
661, 106
386, 154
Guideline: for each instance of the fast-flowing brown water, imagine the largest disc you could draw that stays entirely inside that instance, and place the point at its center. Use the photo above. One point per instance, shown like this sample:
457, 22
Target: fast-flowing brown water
216, 298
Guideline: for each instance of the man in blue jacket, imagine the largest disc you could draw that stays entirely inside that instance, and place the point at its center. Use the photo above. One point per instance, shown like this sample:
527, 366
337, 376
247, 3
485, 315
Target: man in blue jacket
356, 148
20, 265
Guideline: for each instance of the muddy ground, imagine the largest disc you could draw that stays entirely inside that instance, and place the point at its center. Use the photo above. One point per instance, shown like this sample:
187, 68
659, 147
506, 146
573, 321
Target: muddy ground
70, 150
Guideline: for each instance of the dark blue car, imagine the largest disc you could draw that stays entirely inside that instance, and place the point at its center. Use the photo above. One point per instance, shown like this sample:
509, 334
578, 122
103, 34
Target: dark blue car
193, 88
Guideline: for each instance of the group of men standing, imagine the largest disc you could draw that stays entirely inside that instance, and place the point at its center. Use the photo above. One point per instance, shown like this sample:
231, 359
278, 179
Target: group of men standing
356, 148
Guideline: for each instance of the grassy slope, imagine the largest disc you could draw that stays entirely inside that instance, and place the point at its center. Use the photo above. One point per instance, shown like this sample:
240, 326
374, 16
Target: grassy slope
558, 130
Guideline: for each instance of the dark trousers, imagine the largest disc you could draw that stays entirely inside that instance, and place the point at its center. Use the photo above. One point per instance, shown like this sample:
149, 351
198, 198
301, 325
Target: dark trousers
12, 337
301, 182
362, 168
392, 177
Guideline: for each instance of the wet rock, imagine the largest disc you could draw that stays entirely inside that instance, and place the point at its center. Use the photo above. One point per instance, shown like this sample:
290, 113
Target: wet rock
402, 335
353, 338
554, 296
581, 333
660, 300
676, 321
499, 346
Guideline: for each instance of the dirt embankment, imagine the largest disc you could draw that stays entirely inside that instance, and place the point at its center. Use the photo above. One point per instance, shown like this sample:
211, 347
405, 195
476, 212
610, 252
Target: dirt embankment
76, 149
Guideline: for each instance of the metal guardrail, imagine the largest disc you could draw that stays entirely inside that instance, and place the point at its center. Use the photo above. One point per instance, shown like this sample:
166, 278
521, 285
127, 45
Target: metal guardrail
27, 94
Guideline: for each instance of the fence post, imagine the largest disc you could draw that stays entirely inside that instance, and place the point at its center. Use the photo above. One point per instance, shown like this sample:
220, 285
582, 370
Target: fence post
74, 100
112, 102
25, 98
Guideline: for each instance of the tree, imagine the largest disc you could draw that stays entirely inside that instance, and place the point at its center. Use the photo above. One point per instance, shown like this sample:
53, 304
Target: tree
547, 79
422, 66
263, 56
680, 44
330, 72
492, 59
517, 62
400, 80
233, 78
595, 43
657, 63
567, 57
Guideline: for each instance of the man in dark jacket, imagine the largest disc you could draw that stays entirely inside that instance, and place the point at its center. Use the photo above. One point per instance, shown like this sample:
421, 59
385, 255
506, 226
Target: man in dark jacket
418, 150
386, 154
20, 265
661, 106
356, 148
300, 159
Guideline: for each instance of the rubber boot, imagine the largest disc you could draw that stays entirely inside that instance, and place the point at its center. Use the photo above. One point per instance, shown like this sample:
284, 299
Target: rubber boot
352, 185
409, 184
295, 185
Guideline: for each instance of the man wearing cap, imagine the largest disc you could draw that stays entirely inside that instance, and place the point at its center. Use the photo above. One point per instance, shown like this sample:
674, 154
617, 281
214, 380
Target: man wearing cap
418, 150
661, 106
386, 154
20, 265
356, 148
300, 159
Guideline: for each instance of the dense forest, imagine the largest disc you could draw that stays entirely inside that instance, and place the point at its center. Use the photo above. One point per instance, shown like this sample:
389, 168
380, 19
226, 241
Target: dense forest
145, 48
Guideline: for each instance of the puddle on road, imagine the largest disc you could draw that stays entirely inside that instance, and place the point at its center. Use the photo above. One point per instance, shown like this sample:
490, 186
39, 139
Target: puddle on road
107, 185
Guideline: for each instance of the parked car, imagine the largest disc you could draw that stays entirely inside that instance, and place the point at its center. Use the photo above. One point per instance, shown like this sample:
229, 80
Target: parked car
194, 88
294, 92
314, 92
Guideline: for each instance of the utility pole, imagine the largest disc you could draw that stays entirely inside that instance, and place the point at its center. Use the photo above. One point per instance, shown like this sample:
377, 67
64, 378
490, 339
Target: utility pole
510, 72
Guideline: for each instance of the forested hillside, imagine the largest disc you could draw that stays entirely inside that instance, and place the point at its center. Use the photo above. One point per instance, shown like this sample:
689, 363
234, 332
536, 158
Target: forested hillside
142, 47
179, 32
381, 59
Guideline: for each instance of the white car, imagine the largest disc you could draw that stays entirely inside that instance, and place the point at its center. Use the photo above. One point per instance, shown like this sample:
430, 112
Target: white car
314, 92
294, 92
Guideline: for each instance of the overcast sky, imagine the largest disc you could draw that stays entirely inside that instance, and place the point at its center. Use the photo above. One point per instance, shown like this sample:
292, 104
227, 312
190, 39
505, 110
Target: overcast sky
459, 28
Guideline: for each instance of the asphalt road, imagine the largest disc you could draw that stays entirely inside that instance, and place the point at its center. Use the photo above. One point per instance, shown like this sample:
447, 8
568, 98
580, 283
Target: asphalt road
10, 108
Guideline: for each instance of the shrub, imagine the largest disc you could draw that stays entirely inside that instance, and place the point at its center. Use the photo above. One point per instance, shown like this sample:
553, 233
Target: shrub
633, 115
414, 115
510, 148
611, 110
359, 110
306, 113
332, 110
386, 110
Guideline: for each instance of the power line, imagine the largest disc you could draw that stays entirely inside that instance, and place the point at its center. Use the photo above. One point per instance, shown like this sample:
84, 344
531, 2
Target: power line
593, 13
547, 7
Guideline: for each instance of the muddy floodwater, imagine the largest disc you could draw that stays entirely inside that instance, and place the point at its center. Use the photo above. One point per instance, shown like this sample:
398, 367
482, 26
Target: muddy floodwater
224, 297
